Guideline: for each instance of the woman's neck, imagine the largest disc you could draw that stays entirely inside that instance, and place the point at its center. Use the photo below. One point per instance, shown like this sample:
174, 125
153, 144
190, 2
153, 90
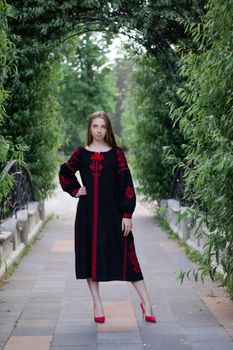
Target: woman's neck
98, 143
99, 146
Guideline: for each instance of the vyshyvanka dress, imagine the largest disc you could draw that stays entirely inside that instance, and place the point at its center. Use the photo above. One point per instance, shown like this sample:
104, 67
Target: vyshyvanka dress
102, 252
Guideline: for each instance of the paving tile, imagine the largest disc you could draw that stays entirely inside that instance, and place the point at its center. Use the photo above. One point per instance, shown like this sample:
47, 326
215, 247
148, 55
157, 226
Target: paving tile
115, 337
66, 246
7, 328
20, 284
14, 293
120, 346
169, 246
74, 325
161, 327
222, 308
22, 322
76, 347
46, 294
56, 276
28, 343
204, 334
77, 338
49, 284
33, 331
33, 305
4, 336
119, 316
2, 345
39, 313
45, 297
66, 314
153, 339
5, 319
212, 346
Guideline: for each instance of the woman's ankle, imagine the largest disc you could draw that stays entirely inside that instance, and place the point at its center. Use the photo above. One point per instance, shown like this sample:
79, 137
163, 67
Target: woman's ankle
99, 310
148, 306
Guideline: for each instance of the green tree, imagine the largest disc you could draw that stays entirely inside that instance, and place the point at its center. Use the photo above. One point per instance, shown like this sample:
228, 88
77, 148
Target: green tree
8, 151
205, 119
32, 114
148, 127
147, 123
88, 85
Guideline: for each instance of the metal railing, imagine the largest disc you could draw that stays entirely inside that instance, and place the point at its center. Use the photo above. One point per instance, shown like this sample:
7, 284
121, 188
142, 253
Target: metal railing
21, 193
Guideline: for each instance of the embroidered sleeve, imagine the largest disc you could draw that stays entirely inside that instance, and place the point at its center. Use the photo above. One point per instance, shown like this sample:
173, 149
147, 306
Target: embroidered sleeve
67, 178
125, 185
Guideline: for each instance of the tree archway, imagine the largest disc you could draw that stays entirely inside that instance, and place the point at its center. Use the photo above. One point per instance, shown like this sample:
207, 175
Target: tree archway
38, 27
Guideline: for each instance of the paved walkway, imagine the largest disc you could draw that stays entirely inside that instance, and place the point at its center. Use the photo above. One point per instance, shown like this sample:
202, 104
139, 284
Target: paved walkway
44, 307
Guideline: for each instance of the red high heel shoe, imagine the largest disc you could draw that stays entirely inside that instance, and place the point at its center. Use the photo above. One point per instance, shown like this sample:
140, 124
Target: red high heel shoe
99, 319
148, 318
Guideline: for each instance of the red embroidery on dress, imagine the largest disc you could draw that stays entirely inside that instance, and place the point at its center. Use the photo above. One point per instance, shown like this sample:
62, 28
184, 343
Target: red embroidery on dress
133, 258
122, 169
129, 192
74, 192
73, 160
97, 157
127, 215
121, 159
96, 166
68, 165
65, 181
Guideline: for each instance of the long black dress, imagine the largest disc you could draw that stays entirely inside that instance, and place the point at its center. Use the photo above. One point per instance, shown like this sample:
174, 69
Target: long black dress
102, 252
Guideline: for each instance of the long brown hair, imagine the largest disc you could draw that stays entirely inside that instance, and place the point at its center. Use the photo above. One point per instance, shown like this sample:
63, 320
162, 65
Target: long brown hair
109, 137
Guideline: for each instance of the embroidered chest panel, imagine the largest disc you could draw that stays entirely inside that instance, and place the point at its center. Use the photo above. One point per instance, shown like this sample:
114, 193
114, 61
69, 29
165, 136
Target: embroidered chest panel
96, 166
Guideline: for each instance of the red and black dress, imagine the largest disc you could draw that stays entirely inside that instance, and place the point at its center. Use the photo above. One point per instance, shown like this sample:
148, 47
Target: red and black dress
102, 252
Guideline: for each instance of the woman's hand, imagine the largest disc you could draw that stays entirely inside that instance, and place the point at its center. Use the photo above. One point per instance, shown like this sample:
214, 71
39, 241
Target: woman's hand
81, 192
126, 226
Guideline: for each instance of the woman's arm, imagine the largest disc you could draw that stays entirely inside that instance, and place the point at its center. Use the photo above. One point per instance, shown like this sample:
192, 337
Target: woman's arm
67, 178
125, 186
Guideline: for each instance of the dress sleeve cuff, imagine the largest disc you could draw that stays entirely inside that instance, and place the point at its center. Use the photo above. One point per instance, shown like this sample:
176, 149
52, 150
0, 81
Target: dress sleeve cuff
74, 192
127, 215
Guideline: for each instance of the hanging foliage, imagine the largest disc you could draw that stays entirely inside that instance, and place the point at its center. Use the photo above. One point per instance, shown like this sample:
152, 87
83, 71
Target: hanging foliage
8, 151
148, 127
206, 121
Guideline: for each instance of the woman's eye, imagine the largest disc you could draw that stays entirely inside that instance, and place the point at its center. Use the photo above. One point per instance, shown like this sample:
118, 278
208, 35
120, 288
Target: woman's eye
96, 126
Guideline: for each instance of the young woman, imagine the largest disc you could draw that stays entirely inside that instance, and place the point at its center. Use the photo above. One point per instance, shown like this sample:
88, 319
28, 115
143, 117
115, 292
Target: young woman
104, 242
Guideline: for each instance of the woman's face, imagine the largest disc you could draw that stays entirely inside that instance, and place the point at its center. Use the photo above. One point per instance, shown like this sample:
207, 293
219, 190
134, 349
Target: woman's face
98, 129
